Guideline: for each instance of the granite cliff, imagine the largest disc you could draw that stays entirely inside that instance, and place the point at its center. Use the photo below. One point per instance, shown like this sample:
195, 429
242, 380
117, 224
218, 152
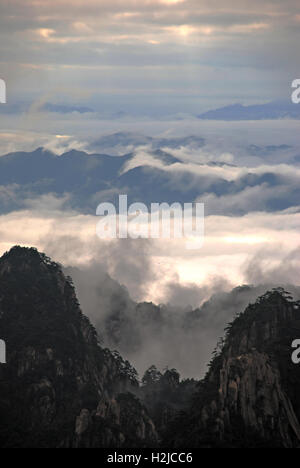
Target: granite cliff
250, 396
60, 388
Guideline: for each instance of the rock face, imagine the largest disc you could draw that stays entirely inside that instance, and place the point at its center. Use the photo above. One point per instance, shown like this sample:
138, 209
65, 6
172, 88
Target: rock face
249, 397
60, 388
126, 412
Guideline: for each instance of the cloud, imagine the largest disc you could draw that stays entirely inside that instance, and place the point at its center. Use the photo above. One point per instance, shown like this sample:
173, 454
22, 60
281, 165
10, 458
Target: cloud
232, 184
174, 334
219, 167
218, 51
260, 248
147, 268
265, 267
158, 58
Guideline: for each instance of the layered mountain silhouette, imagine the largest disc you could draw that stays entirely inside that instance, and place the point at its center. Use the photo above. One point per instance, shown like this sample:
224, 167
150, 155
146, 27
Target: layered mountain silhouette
80, 181
84, 179
61, 388
268, 111
118, 143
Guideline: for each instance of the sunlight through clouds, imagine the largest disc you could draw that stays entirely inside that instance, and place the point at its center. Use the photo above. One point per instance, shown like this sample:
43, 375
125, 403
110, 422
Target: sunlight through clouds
194, 34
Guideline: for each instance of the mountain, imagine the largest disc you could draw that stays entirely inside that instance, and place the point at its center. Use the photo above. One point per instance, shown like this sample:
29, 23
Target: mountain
269, 111
66, 109
269, 150
60, 388
86, 179
250, 396
146, 333
121, 142
78, 181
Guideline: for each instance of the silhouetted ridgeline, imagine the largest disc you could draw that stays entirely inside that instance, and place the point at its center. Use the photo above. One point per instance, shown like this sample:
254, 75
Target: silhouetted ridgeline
250, 396
60, 388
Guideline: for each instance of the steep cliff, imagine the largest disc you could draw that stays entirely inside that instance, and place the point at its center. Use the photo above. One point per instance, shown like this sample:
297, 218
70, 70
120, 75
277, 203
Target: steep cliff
250, 396
60, 388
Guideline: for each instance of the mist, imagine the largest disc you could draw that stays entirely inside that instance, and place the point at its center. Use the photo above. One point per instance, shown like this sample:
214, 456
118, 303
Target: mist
170, 335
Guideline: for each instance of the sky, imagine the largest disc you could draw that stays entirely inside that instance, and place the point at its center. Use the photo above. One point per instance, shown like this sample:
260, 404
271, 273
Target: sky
78, 70
163, 56
152, 57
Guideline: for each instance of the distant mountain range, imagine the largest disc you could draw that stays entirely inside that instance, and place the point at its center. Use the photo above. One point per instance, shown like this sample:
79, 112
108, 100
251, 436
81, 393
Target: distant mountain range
118, 143
66, 109
84, 180
269, 111
275, 110
88, 179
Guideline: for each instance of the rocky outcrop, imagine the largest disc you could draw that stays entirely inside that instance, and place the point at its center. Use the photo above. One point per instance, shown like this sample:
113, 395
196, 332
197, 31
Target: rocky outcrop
60, 388
57, 375
251, 390
248, 397
118, 422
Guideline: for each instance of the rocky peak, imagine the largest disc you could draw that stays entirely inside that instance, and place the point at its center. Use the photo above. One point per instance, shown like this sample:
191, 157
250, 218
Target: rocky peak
60, 388
249, 397
270, 318
56, 370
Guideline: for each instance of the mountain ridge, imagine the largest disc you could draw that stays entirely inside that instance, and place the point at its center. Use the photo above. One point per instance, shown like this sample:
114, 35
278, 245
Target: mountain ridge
57, 376
61, 388
268, 111
248, 397
80, 181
